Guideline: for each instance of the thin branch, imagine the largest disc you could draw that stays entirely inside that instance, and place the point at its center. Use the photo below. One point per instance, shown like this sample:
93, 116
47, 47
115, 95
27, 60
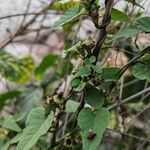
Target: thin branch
140, 54
126, 100
23, 28
137, 115
30, 14
129, 135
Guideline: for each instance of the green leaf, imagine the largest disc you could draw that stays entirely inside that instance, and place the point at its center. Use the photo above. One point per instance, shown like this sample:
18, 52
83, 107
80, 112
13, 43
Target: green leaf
83, 72
75, 82
118, 15
142, 71
89, 62
2, 143
144, 23
12, 141
75, 48
47, 62
77, 85
69, 15
16, 69
16, 139
92, 59
94, 97
5, 146
31, 98
110, 73
10, 123
97, 69
36, 126
80, 87
8, 95
140, 25
94, 123
128, 32
71, 106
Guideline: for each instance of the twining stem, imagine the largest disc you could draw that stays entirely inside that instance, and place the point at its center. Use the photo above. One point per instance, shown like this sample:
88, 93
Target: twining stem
103, 32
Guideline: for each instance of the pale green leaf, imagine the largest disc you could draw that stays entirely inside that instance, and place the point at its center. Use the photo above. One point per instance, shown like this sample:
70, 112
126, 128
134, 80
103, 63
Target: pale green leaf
32, 98
92, 59
16, 69
69, 15
5, 146
16, 139
142, 71
36, 126
80, 87
10, 123
71, 106
97, 69
83, 72
140, 25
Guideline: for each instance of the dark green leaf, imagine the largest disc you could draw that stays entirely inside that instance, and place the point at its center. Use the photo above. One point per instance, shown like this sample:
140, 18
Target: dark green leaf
110, 73
75, 82
94, 97
7, 96
47, 62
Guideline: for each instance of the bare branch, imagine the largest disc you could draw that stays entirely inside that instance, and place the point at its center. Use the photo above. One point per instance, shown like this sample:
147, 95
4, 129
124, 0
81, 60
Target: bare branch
126, 100
23, 27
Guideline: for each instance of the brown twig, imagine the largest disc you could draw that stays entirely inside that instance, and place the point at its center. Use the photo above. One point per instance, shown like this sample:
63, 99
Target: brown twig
129, 135
126, 100
24, 27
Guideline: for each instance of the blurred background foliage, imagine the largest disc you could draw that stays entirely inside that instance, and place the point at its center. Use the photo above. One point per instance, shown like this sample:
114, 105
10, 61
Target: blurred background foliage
29, 80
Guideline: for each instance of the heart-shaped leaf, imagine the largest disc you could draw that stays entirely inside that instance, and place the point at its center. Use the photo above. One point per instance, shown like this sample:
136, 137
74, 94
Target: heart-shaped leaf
93, 125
